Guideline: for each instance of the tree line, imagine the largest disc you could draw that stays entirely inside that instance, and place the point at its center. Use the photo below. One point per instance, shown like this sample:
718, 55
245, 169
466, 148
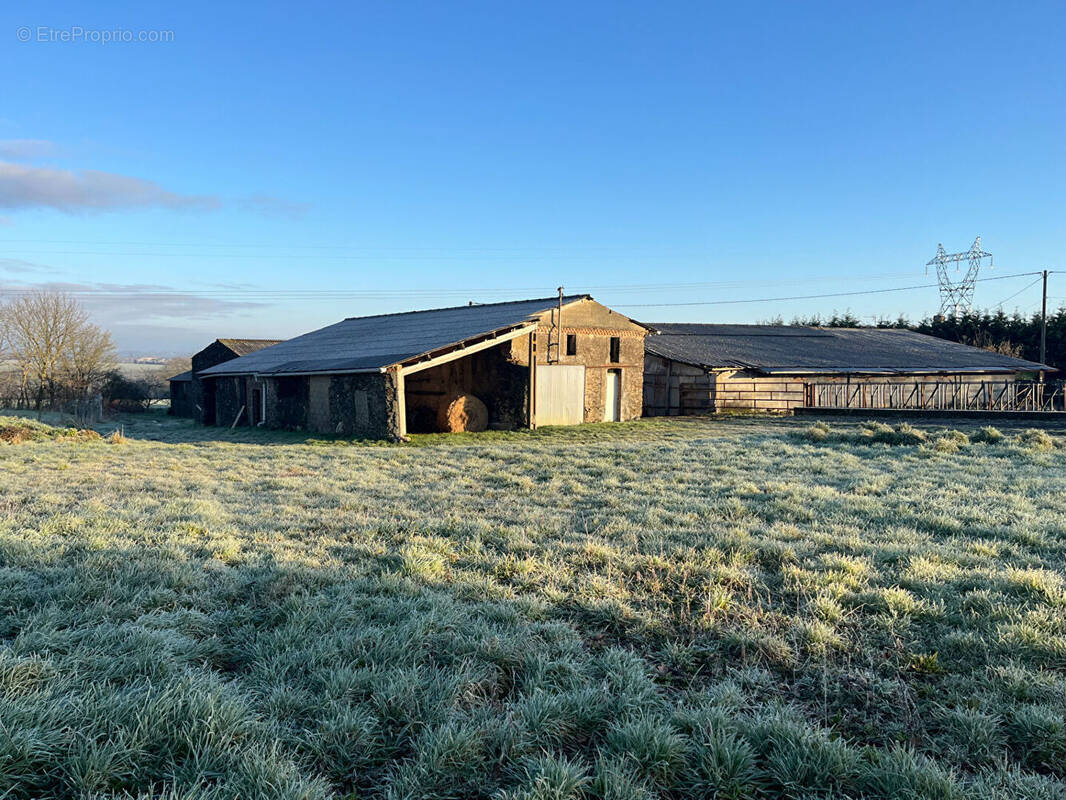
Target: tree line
1011, 334
53, 357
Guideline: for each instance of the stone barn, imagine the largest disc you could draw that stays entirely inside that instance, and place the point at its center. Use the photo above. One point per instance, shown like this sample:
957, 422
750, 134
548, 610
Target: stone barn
187, 389
183, 403
556, 361
697, 369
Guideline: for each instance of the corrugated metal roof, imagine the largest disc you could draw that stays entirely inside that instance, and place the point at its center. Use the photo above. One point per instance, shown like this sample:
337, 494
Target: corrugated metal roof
243, 347
182, 376
796, 350
369, 343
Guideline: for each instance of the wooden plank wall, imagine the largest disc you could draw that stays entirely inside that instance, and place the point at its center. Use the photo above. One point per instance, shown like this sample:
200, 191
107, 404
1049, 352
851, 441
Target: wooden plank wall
759, 393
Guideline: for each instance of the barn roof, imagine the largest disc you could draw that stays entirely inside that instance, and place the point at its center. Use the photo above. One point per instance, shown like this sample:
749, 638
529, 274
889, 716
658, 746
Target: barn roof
365, 344
243, 347
182, 376
796, 350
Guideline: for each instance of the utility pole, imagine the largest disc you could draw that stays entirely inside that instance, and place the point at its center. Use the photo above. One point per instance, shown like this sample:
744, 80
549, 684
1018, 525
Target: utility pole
1043, 326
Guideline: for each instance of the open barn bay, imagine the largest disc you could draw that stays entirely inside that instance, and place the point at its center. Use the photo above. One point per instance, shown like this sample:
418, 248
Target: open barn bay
669, 608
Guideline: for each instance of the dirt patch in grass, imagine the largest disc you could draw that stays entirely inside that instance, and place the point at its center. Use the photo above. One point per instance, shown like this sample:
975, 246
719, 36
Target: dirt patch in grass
14, 430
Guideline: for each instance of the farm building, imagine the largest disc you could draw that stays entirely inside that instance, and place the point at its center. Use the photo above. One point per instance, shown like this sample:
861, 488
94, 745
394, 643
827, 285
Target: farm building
553, 361
186, 389
182, 400
693, 369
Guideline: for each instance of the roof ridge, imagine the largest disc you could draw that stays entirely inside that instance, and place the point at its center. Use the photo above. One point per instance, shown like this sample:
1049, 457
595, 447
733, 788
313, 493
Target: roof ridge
566, 298
245, 339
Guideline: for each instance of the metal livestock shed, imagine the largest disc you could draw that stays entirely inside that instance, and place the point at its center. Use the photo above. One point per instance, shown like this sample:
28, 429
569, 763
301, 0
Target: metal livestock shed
694, 368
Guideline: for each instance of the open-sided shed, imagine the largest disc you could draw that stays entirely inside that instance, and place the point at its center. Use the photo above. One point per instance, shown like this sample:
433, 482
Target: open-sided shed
556, 360
693, 368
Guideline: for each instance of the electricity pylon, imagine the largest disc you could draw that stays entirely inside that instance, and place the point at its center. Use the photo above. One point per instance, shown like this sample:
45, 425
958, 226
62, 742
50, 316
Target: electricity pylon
957, 298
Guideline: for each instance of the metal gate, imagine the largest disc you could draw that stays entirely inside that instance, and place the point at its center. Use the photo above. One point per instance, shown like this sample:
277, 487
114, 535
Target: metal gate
560, 394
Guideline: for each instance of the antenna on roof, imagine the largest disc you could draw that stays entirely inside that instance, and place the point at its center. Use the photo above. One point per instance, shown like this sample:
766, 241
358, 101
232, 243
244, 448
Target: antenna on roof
557, 326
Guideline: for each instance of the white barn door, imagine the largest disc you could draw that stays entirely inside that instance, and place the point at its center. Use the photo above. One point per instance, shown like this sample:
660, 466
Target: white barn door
560, 394
612, 409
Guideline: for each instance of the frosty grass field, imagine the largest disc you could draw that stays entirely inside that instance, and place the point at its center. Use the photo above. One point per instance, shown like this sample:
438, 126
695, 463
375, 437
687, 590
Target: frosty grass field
669, 608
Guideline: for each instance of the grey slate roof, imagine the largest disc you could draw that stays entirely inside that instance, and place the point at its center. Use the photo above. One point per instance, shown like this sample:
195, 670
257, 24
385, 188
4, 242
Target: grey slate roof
784, 349
243, 347
370, 343
182, 376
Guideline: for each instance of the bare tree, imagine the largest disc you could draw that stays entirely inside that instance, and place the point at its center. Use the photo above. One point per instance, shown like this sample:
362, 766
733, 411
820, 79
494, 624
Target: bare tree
51, 339
3, 333
89, 359
176, 366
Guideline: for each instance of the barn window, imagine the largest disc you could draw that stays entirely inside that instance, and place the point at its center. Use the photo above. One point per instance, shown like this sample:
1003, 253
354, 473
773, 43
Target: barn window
616, 349
571, 344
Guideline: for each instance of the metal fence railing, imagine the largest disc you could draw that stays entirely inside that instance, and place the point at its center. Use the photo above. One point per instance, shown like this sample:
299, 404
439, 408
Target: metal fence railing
941, 395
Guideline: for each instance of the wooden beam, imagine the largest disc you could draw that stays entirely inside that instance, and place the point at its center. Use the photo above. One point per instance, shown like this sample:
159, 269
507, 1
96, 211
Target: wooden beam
533, 379
401, 404
485, 344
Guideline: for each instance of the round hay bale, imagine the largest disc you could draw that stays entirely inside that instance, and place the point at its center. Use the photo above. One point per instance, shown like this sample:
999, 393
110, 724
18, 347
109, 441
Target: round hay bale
462, 412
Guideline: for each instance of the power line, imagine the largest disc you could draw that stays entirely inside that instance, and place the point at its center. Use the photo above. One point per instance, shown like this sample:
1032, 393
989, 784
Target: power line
1024, 288
811, 296
248, 291
313, 294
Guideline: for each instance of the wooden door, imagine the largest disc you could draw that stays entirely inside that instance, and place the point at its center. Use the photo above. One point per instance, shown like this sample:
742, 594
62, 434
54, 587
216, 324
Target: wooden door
560, 394
318, 404
612, 394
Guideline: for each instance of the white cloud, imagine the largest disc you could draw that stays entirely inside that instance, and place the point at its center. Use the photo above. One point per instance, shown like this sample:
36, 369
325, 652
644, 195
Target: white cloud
18, 265
26, 149
24, 187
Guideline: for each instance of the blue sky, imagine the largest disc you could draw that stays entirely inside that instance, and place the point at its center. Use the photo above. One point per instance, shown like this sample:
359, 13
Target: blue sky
407, 155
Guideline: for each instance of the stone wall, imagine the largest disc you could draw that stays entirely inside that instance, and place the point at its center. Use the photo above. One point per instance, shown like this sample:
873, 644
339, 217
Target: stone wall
286, 402
593, 353
364, 405
231, 393
185, 399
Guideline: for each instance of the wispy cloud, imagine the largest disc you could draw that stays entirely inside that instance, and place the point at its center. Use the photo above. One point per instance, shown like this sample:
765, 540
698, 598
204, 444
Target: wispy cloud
19, 266
270, 206
24, 187
26, 149
114, 303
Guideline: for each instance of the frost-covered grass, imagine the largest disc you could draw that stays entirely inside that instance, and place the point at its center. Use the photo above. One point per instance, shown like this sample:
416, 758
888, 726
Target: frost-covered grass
669, 608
